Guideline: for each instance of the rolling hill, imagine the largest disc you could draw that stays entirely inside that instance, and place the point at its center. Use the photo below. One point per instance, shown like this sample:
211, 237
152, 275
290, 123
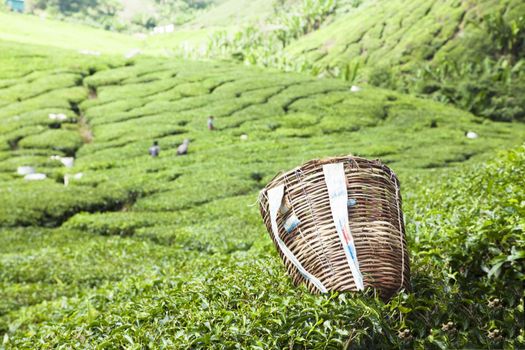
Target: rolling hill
469, 54
33, 30
397, 33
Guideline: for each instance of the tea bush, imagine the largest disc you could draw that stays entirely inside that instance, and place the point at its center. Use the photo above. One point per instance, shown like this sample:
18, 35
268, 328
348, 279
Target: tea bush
458, 297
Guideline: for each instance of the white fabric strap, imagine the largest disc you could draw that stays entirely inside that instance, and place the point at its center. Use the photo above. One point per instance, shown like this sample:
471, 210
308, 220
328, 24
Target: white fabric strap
275, 197
335, 178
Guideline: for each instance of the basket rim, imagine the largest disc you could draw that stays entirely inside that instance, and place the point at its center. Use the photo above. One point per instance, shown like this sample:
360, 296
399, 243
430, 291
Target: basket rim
327, 160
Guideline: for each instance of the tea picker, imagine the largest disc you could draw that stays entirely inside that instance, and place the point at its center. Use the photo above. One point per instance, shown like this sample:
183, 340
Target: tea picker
154, 150
183, 148
211, 126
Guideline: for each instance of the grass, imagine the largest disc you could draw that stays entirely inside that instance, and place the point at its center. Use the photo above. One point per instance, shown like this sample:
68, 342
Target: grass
34, 30
171, 252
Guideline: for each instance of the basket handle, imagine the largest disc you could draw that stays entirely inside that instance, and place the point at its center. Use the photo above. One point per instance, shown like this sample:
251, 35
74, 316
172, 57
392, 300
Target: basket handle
275, 197
335, 179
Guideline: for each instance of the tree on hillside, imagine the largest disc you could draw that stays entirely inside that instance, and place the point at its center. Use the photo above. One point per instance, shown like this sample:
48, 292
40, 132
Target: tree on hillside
181, 11
193, 4
68, 7
100, 13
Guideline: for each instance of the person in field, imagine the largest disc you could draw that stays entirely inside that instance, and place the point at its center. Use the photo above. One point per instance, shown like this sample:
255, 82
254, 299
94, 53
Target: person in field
183, 148
211, 126
154, 150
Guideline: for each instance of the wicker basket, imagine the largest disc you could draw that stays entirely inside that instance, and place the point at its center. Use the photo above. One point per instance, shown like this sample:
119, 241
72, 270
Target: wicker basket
300, 209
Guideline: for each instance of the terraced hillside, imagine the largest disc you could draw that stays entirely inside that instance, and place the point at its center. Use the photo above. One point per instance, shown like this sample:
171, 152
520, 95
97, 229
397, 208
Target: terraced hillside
466, 53
142, 252
375, 33
118, 112
397, 33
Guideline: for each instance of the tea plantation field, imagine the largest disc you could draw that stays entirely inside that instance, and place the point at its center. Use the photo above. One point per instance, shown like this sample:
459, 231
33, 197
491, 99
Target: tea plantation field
400, 34
170, 252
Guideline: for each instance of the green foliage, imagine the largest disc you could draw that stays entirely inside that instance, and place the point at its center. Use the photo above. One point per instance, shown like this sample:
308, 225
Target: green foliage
181, 11
112, 15
59, 140
487, 227
47, 203
101, 13
120, 224
170, 251
350, 71
470, 56
264, 46
143, 20
507, 35
479, 240
490, 86
356, 3
462, 295
492, 89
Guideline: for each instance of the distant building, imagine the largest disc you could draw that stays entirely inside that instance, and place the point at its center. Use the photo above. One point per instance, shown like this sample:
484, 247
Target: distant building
16, 5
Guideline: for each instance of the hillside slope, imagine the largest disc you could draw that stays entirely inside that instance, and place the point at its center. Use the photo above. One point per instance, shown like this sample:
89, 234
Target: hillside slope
469, 54
400, 33
226, 15
51, 33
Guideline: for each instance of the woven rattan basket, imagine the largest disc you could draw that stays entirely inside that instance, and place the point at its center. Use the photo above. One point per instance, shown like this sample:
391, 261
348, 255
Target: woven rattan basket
300, 209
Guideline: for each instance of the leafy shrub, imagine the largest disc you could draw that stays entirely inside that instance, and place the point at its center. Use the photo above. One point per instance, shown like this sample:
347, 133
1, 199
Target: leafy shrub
257, 46
506, 34
181, 11
52, 267
491, 89
115, 224
99, 13
489, 85
485, 227
49, 203
67, 141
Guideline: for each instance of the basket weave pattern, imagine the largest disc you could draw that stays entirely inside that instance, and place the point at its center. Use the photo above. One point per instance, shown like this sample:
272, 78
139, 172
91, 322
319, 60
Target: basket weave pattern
375, 221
